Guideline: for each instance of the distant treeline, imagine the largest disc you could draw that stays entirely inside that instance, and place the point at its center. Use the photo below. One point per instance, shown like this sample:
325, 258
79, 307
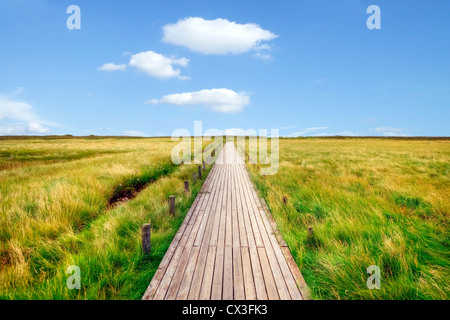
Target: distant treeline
69, 136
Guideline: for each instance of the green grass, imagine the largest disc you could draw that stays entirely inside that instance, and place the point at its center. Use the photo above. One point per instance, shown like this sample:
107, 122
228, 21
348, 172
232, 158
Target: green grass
56, 214
378, 202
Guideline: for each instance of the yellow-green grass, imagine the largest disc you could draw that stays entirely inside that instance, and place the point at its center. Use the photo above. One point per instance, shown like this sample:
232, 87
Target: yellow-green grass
381, 202
54, 213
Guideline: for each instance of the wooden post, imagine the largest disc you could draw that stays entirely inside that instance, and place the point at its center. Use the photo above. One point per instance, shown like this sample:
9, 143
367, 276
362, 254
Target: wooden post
146, 243
194, 177
285, 200
310, 231
172, 205
186, 186
199, 172
203, 166
214, 153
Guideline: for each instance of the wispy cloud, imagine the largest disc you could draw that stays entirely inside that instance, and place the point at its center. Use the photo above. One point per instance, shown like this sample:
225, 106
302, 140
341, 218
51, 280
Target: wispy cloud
342, 133
112, 67
18, 117
306, 131
391, 131
263, 56
134, 133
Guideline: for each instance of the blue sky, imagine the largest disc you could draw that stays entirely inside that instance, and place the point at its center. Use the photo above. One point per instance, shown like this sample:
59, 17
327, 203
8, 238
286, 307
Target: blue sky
304, 67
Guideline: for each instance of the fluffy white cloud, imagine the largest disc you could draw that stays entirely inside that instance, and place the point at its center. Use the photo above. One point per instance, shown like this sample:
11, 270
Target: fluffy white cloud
218, 36
113, 67
218, 100
134, 133
157, 65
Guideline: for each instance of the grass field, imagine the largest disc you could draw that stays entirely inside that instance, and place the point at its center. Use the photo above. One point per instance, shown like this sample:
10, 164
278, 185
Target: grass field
378, 202
381, 202
55, 212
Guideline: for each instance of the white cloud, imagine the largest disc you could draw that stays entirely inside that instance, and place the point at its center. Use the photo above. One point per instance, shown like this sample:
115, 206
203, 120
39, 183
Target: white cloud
218, 100
157, 65
343, 133
381, 129
263, 56
35, 127
218, 36
16, 110
134, 133
12, 130
12, 110
307, 131
391, 132
113, 67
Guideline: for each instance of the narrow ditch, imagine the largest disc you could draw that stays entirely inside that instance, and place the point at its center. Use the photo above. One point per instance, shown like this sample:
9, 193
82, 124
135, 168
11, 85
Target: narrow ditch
131, 187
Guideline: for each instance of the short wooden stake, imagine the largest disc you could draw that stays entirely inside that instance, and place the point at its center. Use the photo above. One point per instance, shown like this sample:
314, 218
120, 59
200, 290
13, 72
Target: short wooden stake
203, 165
172, 205
194, 177
199, 172
310, 231
285, 200
186, 186
146, 234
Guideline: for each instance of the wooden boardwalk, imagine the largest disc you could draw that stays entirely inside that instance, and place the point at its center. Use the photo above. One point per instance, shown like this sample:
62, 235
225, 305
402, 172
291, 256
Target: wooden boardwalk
226, 248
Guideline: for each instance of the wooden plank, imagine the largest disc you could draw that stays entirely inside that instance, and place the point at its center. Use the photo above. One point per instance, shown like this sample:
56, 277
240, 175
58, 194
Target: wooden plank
238, 277
216, 293
272, 292
228, 274
249, 284
188, 274
205, 291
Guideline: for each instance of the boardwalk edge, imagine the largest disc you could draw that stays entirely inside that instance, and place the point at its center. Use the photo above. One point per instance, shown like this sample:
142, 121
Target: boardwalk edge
301, 283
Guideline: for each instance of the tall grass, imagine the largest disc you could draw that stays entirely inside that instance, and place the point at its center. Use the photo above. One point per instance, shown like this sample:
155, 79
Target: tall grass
370, 202
56, 214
